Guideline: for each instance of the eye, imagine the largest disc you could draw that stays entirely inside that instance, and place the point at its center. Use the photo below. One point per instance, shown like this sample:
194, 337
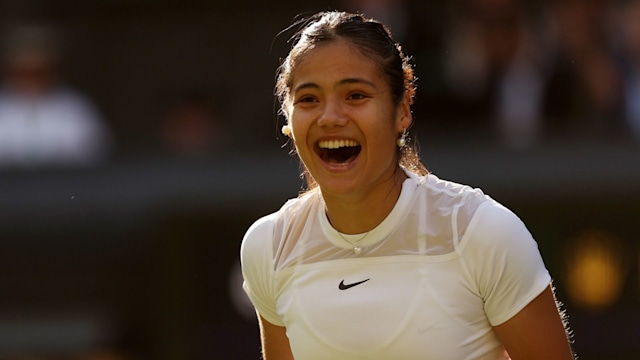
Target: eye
357, 96
305, 99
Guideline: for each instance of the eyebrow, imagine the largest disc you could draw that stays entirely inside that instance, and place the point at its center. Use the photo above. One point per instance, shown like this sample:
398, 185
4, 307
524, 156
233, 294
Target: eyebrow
346, 81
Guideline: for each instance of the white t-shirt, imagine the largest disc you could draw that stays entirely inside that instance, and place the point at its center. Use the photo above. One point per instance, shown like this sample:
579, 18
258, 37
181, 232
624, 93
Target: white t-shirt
445, 265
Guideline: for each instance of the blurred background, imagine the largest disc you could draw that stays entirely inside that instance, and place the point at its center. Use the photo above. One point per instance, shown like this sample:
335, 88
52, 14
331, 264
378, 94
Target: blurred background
139, 140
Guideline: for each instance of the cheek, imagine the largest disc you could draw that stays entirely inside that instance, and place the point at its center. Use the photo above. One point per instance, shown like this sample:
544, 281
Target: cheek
299, 132
386, 145
385, 136
300, 122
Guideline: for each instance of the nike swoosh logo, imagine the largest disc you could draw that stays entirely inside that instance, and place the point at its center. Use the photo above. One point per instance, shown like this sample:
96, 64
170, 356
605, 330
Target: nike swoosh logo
344, 286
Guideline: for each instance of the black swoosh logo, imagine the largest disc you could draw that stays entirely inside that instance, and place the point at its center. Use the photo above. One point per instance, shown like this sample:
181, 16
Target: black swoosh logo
344, 286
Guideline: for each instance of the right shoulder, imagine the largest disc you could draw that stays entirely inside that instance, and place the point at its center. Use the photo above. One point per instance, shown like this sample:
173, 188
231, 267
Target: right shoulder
266, 237
260, 235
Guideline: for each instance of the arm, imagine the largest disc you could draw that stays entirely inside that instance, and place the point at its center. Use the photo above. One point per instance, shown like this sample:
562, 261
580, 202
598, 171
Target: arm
513, 281
274, 340
258, 272
537, 331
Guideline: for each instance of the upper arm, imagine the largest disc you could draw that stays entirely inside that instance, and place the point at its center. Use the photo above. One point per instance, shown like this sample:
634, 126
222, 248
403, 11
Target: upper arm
256, 259
537, 331
257, 268
512, 279
504, 262
274, 341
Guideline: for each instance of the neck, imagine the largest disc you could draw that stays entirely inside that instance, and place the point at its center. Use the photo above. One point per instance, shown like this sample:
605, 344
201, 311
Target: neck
360, 213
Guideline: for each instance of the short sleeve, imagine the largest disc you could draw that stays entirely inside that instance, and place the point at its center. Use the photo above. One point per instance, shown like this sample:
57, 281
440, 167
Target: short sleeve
504, 262
257, 268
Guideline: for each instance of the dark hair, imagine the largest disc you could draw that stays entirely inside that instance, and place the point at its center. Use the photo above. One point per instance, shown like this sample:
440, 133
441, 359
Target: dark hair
370, 37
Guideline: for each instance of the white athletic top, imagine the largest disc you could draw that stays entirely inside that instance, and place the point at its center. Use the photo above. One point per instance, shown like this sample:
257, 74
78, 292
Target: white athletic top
445, 265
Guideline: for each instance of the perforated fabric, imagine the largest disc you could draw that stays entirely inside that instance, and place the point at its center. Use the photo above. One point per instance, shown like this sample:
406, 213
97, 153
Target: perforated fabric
446, 264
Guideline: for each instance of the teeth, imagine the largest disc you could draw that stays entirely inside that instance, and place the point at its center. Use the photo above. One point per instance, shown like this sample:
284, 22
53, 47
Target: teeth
335, 144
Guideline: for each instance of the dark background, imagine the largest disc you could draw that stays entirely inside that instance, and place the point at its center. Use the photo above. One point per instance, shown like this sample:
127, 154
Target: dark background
134, 258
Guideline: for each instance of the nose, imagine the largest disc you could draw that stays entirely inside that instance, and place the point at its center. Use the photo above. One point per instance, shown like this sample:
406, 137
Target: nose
333, 114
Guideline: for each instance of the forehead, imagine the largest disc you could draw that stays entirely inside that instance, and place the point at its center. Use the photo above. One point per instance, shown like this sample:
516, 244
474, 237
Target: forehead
334, 61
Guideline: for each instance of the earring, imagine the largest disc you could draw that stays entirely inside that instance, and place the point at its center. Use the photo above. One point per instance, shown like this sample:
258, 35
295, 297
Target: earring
402, 141
286, 130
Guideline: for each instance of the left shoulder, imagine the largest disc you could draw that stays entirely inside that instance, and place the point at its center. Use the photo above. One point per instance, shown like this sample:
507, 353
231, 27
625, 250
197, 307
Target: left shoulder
498, 238
503, 260
449, 194
495, 225
453, 202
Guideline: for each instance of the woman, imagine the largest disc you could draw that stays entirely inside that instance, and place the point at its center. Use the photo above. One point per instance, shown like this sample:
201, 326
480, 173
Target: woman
380, 259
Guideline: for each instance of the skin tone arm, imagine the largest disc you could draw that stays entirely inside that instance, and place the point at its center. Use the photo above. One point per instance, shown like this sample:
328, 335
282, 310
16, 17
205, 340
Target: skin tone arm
274, 340
536, 332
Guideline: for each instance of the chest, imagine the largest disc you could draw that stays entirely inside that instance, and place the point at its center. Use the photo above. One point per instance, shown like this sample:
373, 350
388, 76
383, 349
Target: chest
398, 305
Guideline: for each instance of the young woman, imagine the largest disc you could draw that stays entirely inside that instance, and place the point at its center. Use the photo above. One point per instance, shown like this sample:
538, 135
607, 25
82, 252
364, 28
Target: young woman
380, 259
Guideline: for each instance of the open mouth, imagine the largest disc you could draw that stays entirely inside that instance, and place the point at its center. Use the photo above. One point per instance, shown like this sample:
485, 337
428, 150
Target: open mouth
338, 151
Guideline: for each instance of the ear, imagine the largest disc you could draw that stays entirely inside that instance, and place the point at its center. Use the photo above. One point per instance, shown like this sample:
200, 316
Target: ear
286, 129
404, 118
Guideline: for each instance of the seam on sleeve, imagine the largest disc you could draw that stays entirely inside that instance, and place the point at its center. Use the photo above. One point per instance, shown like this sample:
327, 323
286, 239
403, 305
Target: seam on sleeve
462, 242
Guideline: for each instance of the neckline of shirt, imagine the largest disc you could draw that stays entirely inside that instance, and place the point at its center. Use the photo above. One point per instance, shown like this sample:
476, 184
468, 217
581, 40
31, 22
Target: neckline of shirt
380, 232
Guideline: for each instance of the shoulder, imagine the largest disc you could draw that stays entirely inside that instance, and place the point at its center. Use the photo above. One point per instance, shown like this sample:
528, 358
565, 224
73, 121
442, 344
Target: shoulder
478, 220
257, 237
260, 228
498, 245
503, 260
451, 200
452, 189
495, 226
448, 193
262, 231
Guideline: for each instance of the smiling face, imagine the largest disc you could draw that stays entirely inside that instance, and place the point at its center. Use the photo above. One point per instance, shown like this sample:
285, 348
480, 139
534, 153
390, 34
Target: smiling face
343, 119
